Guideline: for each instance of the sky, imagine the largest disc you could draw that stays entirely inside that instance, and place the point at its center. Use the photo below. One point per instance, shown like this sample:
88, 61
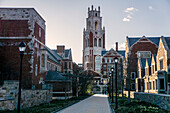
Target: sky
65, 20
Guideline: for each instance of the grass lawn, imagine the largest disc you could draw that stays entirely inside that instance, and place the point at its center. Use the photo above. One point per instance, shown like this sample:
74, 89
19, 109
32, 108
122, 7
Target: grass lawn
48, 108
136, 106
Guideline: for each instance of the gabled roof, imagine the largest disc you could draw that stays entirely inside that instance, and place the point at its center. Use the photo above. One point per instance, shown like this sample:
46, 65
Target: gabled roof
167, 39
133, 40
122, 52
52, 56
67, 51
57, 55
103, 52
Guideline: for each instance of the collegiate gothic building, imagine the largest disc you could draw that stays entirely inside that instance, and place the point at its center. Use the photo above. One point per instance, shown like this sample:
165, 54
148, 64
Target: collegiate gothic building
93, 40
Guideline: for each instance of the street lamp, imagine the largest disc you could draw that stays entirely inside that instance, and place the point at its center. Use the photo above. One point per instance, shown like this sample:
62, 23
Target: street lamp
22, 48
112, 83
116, 61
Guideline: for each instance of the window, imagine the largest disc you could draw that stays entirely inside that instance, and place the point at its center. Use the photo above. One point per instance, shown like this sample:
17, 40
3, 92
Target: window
95, 42
133, 75
150, 85
156, 82
96, 25
144, 54
110, 60
161, 64
42, 60
39, 32
153, 69
133, 86
96, 14
89, 24
161, 84
100, 43
104, 66
97, 63
105, 60
153, 85
104, 72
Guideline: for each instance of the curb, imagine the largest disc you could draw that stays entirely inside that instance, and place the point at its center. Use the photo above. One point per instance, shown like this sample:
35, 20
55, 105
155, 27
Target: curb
111, 109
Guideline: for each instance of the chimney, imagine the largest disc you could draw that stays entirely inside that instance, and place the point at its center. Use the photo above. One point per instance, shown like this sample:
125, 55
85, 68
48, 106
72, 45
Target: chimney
116, 46
61, 50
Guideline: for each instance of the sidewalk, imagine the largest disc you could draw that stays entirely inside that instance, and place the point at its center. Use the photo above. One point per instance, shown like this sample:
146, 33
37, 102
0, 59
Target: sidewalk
97, 103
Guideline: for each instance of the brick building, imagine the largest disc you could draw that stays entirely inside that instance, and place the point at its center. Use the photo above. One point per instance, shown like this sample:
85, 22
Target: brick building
137, 47
16, 25
66, 58
108, 63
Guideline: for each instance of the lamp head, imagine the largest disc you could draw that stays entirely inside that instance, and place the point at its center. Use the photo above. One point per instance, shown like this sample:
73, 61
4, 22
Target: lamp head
116, 60
22, 47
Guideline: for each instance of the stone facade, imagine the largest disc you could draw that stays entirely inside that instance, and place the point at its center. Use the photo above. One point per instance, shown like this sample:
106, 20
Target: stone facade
134, 48
163, 101
29, 98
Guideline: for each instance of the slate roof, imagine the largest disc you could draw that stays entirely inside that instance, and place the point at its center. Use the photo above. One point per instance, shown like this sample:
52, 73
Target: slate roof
154, 55
103, 52
135, 39
58, 56
167, 39
143, 61
67, 52
122, 52
53, 56
54, 75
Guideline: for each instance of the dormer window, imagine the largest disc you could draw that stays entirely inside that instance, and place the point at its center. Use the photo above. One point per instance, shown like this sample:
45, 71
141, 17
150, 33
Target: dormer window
144, 54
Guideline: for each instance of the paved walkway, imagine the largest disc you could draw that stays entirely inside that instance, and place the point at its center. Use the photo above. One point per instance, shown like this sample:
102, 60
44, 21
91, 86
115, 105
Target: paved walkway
97, 103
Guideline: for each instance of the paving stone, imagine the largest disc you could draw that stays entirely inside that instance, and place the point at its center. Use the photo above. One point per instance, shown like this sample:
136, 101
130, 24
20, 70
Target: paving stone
97, 103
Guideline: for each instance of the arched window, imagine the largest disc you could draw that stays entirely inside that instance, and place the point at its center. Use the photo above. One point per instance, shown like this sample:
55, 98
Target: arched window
96, 25
95, 42
89, 24
96, 14
97, 63
100, 43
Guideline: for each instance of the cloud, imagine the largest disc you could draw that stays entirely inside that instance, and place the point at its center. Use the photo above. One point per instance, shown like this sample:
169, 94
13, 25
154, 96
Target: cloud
126, 19
150, 8
130, 11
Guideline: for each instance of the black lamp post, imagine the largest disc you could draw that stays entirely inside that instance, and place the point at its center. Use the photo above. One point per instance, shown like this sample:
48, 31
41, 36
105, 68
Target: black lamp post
116, 61
112, 84
22, 48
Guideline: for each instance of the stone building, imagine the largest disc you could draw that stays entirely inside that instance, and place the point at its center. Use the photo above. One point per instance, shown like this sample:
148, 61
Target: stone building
16, 25
93, 40
157, 78
137, 47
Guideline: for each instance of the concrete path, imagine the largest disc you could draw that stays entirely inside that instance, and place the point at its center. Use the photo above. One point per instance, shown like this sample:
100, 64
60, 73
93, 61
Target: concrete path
97, 103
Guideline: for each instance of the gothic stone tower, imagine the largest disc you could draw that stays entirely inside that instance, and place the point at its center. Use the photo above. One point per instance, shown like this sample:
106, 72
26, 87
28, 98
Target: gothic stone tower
93, 40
